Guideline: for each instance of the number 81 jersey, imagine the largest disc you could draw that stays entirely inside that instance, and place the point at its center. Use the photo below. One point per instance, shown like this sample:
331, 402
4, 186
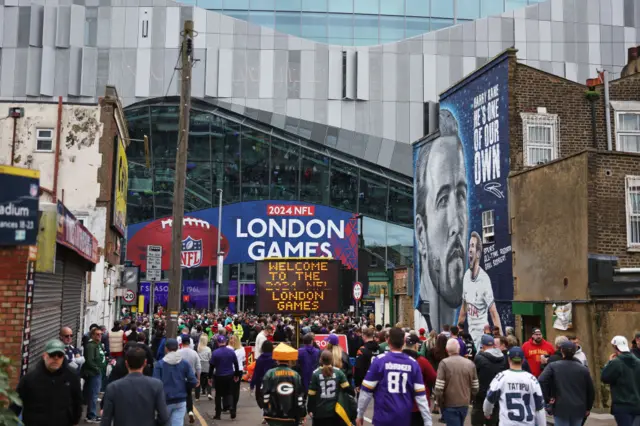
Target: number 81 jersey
395, 380
520, 397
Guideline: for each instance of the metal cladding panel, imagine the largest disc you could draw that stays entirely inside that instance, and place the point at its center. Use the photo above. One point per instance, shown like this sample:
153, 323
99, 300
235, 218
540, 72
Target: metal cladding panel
47, 311
145, 27
211, 75
75, 71
34, 67
10, 27
362, 75
2, 24
20, 79
36, 25
7, 72
143, 70
77, 20
47, 78
350, 73
131, 27
61, 84
88, 71
172, 29
267, 58
158, 26
225, 73
117, 26
104, 27
198, 72
335, 74
63, 26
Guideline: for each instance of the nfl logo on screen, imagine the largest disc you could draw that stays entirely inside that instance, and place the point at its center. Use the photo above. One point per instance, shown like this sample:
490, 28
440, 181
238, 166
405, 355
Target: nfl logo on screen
191, 253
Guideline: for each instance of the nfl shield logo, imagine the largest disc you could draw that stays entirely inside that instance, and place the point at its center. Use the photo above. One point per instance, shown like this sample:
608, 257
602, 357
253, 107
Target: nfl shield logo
33, 190
191, 253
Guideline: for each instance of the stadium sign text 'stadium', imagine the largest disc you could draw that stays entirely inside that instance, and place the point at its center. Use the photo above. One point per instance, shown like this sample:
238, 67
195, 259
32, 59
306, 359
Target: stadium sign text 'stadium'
298, 286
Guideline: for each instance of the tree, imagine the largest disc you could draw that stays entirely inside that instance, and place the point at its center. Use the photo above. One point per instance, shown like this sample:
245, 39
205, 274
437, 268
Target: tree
8, 395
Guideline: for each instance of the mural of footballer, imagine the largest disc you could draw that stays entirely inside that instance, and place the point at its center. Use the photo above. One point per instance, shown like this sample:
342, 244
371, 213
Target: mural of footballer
477, 294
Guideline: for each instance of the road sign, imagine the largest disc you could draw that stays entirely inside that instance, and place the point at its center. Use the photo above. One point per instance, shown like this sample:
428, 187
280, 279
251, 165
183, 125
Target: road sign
129, 296
154, 263
357, 291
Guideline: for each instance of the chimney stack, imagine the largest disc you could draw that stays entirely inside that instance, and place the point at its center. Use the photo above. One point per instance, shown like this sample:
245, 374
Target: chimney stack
633, 64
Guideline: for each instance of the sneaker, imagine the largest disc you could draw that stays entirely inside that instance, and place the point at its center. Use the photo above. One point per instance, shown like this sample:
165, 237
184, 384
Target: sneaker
192, 417
197, 400
94, 420
216, 417
210, 397
233, 414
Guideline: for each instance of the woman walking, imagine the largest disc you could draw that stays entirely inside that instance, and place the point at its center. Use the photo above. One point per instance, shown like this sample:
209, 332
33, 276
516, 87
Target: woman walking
234, 343
204, 353
340, 357
326, 383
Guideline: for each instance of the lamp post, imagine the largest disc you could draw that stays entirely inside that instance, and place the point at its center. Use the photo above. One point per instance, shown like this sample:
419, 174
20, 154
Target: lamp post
360, 218
219, 266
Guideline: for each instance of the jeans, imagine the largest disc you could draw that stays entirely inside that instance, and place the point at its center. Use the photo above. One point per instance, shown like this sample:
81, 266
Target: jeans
176, 413
625, 419
566, 421
92, 386
454, 416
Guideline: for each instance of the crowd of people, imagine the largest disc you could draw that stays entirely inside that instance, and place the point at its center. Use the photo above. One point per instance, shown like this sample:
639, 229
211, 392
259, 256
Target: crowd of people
410, 375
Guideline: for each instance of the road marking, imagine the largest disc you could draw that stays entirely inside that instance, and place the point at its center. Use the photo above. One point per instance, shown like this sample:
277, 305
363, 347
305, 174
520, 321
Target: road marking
201, 419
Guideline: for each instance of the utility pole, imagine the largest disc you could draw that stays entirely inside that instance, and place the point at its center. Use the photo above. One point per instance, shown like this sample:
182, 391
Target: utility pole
175, 274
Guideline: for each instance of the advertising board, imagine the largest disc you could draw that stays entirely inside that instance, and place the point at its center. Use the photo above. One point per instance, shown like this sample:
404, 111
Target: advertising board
298, 286
120, 187
252, 231
73, 234
463, 248
19, 205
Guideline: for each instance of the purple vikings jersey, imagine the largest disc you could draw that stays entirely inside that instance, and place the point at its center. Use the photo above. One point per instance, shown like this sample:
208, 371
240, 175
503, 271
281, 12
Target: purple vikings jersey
394, 379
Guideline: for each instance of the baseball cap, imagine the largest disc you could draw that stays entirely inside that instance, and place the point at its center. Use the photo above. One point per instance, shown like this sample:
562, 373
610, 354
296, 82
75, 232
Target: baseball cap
536, 330
422, 331
171, 344
516, 353
412, 339
621, 343
487, 340
54, 346
568, 346
333, 339
221, 338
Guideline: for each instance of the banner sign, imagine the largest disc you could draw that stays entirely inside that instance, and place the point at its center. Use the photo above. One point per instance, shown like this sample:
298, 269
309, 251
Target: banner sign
461, 186
196, 290
252, 231
120, 187
342, 340
19, 206
73, 234
298, 286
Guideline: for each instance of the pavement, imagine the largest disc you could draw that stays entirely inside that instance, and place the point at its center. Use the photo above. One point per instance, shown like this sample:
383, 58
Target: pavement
250, 415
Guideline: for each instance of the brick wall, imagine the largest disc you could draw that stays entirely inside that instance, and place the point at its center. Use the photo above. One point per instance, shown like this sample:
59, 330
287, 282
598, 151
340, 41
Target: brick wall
607, 204
13, 281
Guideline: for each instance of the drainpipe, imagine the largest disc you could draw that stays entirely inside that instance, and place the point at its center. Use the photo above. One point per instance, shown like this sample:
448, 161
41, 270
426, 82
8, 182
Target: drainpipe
56, 160
607, 109
13, 141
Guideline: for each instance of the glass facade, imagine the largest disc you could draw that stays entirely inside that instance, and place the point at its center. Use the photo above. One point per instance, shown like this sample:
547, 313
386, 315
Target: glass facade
358, 22
250, 161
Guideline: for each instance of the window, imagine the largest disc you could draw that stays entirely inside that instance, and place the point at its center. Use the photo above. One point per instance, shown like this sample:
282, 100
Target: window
633, 211
44, 140
628, 131
488, 230
540, 138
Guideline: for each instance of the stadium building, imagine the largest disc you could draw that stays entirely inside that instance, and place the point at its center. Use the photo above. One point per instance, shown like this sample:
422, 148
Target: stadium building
296, 101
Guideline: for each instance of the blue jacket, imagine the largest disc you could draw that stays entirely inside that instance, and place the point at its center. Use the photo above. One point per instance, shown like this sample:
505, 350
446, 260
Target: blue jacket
308, 359
264, 363
175, 374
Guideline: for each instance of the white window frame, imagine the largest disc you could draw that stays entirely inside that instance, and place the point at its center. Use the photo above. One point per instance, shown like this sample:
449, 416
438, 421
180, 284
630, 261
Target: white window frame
488, 227
550, 121
631, 181
625, 132
41, 138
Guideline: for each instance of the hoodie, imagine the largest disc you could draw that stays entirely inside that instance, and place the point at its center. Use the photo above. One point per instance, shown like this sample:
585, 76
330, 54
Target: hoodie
308, 358
623, 375
263, 364
428, 373
580, 356
174, 373
534, 352
488, 364
363, 360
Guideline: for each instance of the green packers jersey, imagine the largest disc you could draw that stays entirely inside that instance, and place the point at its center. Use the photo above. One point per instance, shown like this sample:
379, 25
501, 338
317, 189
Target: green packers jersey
323, 392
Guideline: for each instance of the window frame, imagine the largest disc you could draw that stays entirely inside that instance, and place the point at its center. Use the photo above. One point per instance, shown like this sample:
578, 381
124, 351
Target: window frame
631, 180
550, 121
488, 237
40, 138
624, 132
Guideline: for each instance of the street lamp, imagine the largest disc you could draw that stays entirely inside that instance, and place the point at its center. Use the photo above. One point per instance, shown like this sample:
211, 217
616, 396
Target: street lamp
219, 266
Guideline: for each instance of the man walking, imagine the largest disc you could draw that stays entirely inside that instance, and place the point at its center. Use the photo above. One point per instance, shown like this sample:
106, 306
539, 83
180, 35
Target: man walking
567, 387
73, 354
92, 370
261, 338
177, 376
308, 357
519, 394
456, 385
50, 392
622, 374
536, 351
489, 362
224, 370
191, 356
148, 394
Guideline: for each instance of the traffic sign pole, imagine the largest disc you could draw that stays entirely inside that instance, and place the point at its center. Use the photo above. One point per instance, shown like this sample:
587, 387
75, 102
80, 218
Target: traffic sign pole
154, 274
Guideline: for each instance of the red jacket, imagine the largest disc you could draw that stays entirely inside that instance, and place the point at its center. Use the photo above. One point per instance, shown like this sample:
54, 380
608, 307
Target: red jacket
533, 352
428, 373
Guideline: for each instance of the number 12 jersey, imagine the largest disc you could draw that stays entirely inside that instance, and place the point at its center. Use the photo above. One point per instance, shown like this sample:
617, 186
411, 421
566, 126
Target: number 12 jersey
520, 397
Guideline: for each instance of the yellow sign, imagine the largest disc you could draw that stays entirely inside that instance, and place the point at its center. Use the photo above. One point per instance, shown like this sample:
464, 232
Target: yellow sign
377, 288
46, 255
120, 188
141, 303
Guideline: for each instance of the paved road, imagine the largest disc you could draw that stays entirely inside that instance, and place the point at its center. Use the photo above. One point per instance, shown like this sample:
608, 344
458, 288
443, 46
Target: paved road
250, 415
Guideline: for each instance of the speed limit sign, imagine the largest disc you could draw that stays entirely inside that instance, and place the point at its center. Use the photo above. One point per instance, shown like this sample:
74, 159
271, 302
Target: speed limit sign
357, 291
129, 296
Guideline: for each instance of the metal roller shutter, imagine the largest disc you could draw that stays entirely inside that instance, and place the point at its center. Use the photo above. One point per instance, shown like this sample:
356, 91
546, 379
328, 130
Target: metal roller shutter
46, 316
74, 282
